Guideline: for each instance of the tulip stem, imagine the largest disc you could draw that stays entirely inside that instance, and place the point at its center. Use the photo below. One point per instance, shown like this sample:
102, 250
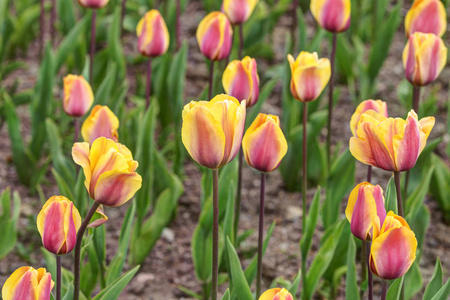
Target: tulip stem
148, 85
399, 193
416, 98
58, 277
237, 208
330, 100
369, 272
363, 267
241, 40
91, 54
383, 290
211, 79
178, 26
77, 130
41, 27
52, 22
215, 258
260, 233
304, 187
77, 262
369, 173
122, 16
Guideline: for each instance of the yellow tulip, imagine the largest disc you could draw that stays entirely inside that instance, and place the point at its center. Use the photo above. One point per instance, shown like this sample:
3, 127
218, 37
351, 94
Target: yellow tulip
101, 122
332, 15
427, 16
214, 36
376, 105
27, 283
238, 11
276, 294
153, 35
78, 96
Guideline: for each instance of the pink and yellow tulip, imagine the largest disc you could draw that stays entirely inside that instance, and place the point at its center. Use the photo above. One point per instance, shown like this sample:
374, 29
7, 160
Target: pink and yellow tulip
27, 283
99, 218
276, 294
393, 248
78, 96
427, 16
95, 4
214, 36
365, 203
238, 11
332, 15
264, 144
388, 143
153, 35
212, 130
110, 171
376, 105
240, 80
58, 223
102, 122
424, 57
309, 75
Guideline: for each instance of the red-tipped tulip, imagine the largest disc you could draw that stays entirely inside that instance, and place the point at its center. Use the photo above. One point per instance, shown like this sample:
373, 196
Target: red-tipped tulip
240, 80
276, 294
332, 15
102, 122
214, 36
376, 105
27, 283
78, 96
93, 3
427, 16
238, 11
153, 36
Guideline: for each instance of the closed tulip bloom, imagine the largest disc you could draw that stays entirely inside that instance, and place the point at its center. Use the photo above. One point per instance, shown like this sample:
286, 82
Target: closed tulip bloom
110, 171
365, 203
424, 57
376, 105
27, 283
309, 75
276, 294
264, 144
393, 248
212, 130
332, 15
78, 96
214, 36
93, 3
153, 36
427, 16
102, 122
58, 223
240, 80
238, 11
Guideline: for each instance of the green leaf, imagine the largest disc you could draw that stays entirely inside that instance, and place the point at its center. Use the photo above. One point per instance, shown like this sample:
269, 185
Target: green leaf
415, 201
201, 248
114, 43
226, 296
294, 286
395, 289
112, 291
311, 223
8, 221
351, 283
390, 197
435, 283
413, 280
240, 285
443, 293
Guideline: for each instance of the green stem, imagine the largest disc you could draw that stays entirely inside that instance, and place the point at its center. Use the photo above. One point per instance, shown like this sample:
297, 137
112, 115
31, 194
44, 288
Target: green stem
399, 193
215, 258
330, 100
260, 233
304, 187
237, 208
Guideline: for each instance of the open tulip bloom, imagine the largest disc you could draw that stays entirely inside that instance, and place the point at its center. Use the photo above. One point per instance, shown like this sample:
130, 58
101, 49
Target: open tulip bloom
27, 283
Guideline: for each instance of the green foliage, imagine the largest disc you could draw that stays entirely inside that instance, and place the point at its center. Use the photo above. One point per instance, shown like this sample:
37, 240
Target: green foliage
351, 284
240, 285
8, 221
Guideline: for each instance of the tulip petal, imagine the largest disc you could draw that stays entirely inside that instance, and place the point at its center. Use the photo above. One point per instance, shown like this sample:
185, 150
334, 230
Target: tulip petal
44, 288
269, 294
407, 145
102, 122
80, 155
115, 187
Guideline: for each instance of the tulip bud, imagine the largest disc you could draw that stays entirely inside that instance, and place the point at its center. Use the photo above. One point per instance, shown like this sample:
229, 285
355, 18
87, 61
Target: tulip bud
98, 218
93, 3
276, 294
332, 15
214, 36
309, 75
78, 96
153, 36
240, 80
264, 144
393, 248
212, 130
376, 105
427, 16
109, 169
365, 203
238, 11
424, 57
27, 283
102, 122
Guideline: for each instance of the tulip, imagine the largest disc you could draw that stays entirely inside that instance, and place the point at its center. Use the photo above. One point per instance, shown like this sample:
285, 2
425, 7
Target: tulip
240, 80
393, 248
212, 131
98, 218
391, 144
27, 283
276, 294
424, 57
378, 106
153, 36
332, 15
214, 36
365, 203
58, 223
427, 16
78, 96
309, 74
93, 3
264, 143
101, 122
238, 11
109, 169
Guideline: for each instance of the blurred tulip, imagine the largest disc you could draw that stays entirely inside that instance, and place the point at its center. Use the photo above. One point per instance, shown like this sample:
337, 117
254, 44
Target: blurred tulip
365, 203
424, 57
27, 283
99, 218
78, 96
212, 130
332, 15
214, 36
393, 248
376, 105
102, 122
264, 144
238, 11
58, 223
109, 169
93, 3
240, 80
309, 75
276, 294
390, 144
427, 16
153, 35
